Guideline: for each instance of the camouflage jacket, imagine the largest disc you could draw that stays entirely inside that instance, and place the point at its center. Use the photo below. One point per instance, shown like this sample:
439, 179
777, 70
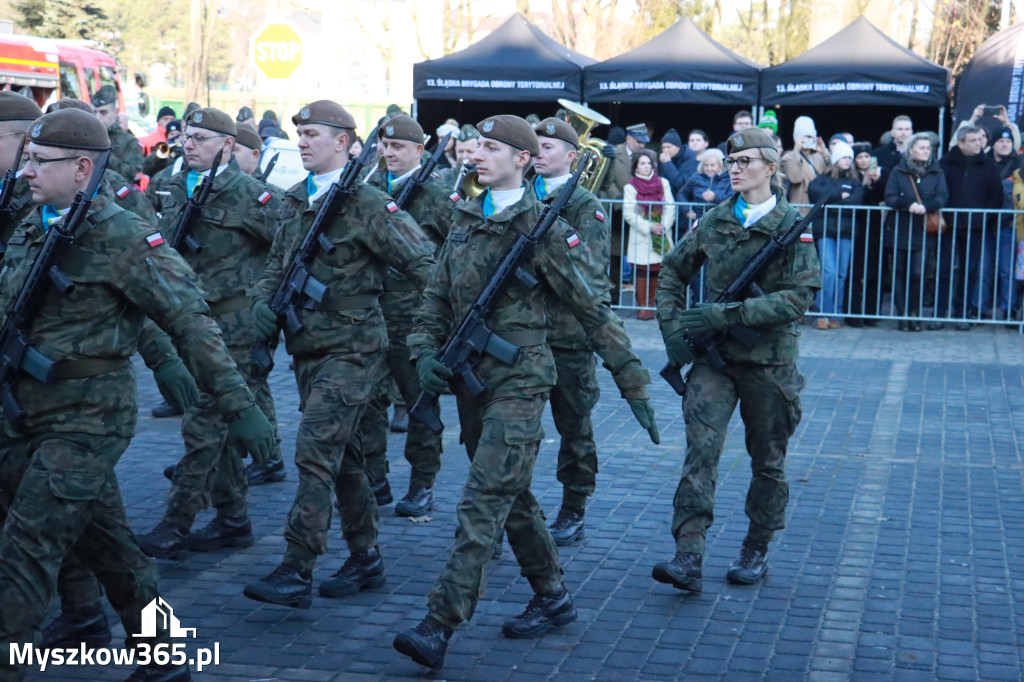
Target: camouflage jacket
721, 242
431, 205
127, 197
21, 205
156, 190
585, 215
470, 255
126, 156
123, 272
368, 239
236, 231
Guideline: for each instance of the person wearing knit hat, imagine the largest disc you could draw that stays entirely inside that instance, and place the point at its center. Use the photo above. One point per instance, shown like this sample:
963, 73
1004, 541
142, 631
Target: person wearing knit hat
806, 161
336, 365
126, 150
1003, 153
677, 162
163, 117
502, 429
769, 121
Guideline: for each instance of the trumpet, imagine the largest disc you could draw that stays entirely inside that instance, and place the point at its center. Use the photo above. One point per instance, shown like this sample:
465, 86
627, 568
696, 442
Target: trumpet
468, 182
163, 150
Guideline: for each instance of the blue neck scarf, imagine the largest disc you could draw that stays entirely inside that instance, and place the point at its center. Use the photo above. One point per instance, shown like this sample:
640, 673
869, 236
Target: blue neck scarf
50, 216
740, 210
540, 186
488, 204
192, 180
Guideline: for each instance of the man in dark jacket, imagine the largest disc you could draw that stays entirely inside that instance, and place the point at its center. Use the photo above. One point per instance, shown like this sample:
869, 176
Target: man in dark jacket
678, 162
889, 155
974, 182
1006, 157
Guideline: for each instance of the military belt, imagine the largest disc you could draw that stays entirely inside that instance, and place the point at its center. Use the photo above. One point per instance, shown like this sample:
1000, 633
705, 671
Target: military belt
524, 337
82, 369
337, 303
228, 305
391, 284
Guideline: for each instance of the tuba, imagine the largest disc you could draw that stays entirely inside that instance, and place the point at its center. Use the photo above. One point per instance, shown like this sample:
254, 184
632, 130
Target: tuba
583, 119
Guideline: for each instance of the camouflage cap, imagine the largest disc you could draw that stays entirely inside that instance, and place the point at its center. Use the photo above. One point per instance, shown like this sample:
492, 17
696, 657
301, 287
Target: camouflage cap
468, 132
189, 108
511, 130
71, 103
212, 119
15, 107
394, 110
247, 137
325, 112
750, 138
558, 129
71, 129
244, 114
104, 96
402, 127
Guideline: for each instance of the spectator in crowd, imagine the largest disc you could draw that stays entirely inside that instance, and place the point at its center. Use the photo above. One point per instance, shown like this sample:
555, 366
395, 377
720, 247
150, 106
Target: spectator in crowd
698, 143
708, 187
833, 235
769, 122
627, 143
447, 159
839, 137
992, 119
1006, 157
780, 179
890, 153
1000, 251
1018, 236
163, 117
974, 183
866, 261
677, 163
650, 212
915, 187
741, 120
805, 161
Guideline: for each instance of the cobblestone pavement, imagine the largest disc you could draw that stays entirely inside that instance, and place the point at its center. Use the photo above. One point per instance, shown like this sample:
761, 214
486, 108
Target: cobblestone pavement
906, 523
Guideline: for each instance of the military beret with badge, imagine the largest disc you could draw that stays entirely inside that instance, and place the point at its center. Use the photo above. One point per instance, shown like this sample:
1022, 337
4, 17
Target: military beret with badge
213, 120
70, 129
511, 130
402, 127
15, 107
247, 137
467, 132
750, 138
325, 112
71, 103
558, 129
104, 96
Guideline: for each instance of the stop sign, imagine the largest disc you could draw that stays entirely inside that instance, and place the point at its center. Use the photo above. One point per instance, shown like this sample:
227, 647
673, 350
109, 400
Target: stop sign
277, 50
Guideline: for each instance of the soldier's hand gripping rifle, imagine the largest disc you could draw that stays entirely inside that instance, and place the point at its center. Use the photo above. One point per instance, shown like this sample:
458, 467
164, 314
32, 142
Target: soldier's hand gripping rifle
743, 286
193, 211
405, 197
17, 356
298, 285
473, 338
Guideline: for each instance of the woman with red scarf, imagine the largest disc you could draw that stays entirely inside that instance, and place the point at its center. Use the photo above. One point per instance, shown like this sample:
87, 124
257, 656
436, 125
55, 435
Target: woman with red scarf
649, 210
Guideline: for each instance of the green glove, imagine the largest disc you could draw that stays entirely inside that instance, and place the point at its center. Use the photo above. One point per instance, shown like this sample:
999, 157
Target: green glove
644, 414
176, 384
264, 319
252, 431
709, 317
433, 375
679, 353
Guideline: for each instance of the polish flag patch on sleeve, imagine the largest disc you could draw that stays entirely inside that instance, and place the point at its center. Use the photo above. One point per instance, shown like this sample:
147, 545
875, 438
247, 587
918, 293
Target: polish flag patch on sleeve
807, 238
392, 207
124, 191
454, 196
264, 198
572, 240
154, 240
599, 215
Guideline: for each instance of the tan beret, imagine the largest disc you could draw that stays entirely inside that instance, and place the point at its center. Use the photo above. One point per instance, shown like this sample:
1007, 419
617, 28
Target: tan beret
71, 103
247, 137
104, 96
750, 138
558, 129
402, 127
15, 107
214, 120
511, 130
325, 112
71, 129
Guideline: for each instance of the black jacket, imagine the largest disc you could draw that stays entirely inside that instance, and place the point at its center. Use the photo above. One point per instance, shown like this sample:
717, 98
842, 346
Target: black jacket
838, 222
888, 159
679, 169
973, 181
903, 229
1007, 165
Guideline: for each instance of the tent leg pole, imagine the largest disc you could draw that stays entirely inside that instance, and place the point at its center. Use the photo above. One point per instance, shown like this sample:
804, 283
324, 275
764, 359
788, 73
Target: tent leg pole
942, 130
415, 108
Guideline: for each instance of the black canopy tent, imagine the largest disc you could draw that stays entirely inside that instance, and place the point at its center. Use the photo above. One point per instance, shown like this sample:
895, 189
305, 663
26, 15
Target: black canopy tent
857, 81
682, 65
515, 69
995, 75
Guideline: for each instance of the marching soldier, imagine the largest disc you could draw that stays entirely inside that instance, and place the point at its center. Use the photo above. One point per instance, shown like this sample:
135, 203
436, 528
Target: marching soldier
576, 390
248, 146
126, 158
401, 145
501, 427
340, 356
235, 233
16, 116
57, 470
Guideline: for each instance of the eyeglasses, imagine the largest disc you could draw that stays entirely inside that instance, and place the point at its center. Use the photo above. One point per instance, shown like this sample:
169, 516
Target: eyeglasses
198, 139
34, 160
742, 162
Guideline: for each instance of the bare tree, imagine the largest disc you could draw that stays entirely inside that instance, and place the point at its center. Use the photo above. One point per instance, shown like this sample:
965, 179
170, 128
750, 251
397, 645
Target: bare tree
202, 25
960, 26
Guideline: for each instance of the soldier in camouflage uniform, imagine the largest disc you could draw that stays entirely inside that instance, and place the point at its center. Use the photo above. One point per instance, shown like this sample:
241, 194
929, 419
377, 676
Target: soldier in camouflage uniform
235, 231
57, 481
339, 357
576, 391
764, 379
126, 157
16, 116
502, 427
466, 142
401, 142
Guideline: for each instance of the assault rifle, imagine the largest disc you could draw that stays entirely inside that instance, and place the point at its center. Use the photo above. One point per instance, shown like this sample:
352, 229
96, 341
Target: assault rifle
262, 176
743, 286
193, 211
17, 356
473, 338
297, 285
422, 175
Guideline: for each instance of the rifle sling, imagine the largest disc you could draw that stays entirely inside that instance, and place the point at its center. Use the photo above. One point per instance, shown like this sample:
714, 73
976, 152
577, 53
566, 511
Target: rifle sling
228, 305
394, 284
524, 337
339, 303
82, 369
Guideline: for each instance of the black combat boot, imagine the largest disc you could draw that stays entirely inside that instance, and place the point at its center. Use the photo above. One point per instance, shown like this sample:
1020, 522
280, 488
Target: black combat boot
426, 643
223, 531
752, 565
382, 491
683, 571
165, 541
361, 571
86, 625
169, 471
271, 471
417, 502
286, 586
161, 673
165, 410
568, 527
543, 611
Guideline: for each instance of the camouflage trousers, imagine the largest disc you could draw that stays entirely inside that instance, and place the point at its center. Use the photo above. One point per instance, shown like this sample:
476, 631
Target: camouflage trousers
333, 393
59, 494
574, 396
212, 471
769, 401
502, 439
